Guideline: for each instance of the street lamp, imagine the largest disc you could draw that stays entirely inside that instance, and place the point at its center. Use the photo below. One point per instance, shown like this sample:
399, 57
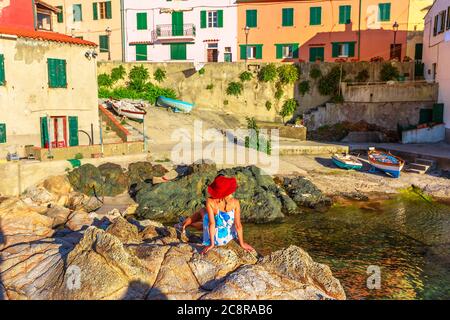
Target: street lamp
247, 31
108, 32
395, 28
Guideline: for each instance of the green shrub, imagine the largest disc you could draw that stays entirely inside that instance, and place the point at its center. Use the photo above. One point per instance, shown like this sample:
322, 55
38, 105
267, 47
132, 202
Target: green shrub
210, 86
388, 72
279, 91
315, 73
268, 105
303, 87
268, 73
329, 84
255, 140
104, 80
138, 78
234, 88
118, 73
159, 75
201, 71
362, 76
150, 93
337, 99
289, 107
245, 76
78, 156
288, 73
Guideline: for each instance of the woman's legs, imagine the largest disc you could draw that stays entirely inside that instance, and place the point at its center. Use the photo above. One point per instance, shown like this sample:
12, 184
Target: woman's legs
196, 220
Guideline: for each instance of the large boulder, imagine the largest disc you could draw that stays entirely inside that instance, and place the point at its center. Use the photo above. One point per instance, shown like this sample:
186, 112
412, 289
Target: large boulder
261, 199
58, 185
306, 194
115, 180
116, 264
141, 173
87, 179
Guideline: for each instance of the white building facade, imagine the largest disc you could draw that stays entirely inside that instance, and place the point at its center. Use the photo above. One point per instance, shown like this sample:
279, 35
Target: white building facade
180, 30
436, 53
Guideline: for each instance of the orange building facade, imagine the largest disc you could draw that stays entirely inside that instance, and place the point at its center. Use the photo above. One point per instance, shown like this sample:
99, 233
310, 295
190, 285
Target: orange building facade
311, 30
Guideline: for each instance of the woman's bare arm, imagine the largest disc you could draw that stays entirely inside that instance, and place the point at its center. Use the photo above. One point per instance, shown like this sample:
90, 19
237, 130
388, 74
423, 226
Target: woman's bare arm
239, 227
211, 226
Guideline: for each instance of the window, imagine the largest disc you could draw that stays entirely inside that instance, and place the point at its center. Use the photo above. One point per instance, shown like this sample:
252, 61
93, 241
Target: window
251, 18
77, 12
44, 20
251, 51
211, 19
2, 70
448, 18
316, 53
178, 51
60, 14
345, 14
287, 51
141, 18
102, 10
315, 16
287, 17
2, 133
104, 43
57, 77
343, 49
384, 12
141, 52
227, 56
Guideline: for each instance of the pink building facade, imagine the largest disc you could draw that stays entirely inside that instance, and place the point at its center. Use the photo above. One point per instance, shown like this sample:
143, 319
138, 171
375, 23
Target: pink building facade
193, 30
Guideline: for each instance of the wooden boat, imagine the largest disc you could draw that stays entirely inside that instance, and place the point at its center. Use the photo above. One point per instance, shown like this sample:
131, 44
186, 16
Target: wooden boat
176, 105
128, 110
346, 161
386, 162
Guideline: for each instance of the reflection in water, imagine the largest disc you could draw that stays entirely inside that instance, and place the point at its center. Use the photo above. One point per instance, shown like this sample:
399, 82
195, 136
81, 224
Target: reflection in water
408, 239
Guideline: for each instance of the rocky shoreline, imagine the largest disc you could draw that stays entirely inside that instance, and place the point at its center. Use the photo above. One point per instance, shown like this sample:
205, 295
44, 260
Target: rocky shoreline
53, 248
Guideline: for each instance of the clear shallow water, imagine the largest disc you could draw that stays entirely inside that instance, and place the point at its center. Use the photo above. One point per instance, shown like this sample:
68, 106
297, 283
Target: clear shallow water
408, 238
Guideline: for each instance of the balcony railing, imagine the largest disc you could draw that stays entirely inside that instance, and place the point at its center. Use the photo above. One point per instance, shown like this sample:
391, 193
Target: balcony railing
169, 31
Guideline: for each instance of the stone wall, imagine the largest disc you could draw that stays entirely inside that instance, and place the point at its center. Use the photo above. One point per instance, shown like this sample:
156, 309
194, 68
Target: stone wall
395, 92
386, 115
192, 86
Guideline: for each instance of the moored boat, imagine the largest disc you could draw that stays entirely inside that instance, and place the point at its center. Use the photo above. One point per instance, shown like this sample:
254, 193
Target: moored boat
128, 110
346, 161
386, 162
176, 105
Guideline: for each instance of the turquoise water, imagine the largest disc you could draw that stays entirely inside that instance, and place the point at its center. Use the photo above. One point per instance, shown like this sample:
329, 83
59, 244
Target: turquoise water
408, 238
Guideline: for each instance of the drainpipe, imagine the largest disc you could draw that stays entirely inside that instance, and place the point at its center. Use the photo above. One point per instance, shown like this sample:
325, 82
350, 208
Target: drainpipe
122, 27
359, 30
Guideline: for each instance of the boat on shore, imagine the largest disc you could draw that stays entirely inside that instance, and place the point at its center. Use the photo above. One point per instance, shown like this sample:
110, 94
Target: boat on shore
129, 110
176, 105
347, 161
385, 162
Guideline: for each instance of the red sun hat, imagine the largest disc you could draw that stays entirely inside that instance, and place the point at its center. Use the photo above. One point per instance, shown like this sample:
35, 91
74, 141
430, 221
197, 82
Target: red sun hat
222, 187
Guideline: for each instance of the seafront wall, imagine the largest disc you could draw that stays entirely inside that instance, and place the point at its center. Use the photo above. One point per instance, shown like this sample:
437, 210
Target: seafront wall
208, 89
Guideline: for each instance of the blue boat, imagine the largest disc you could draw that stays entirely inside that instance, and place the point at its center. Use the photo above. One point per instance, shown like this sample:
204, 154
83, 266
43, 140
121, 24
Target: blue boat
385, 162
176, 105
346, 161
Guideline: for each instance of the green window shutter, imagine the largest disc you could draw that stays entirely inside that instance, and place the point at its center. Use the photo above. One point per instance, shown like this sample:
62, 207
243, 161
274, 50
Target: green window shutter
177, 23
279, 50
315, 16
243, 51
258, 51
295, 51
316, 53
52, 78
287, 17
419, 50
2, 133
335, 49
73, 131
220, 18
57, 76
351, 49
425, 116
60, 15
61, 72
141, 52
438, 113
141, 18
95, 10
44, 132
252, 18
344, 14
203, 19
178, 51
104, 43
2, 70
108, 10
384, 12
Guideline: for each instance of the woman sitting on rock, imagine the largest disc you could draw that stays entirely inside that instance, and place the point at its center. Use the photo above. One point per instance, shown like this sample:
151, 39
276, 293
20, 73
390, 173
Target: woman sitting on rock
220, 220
